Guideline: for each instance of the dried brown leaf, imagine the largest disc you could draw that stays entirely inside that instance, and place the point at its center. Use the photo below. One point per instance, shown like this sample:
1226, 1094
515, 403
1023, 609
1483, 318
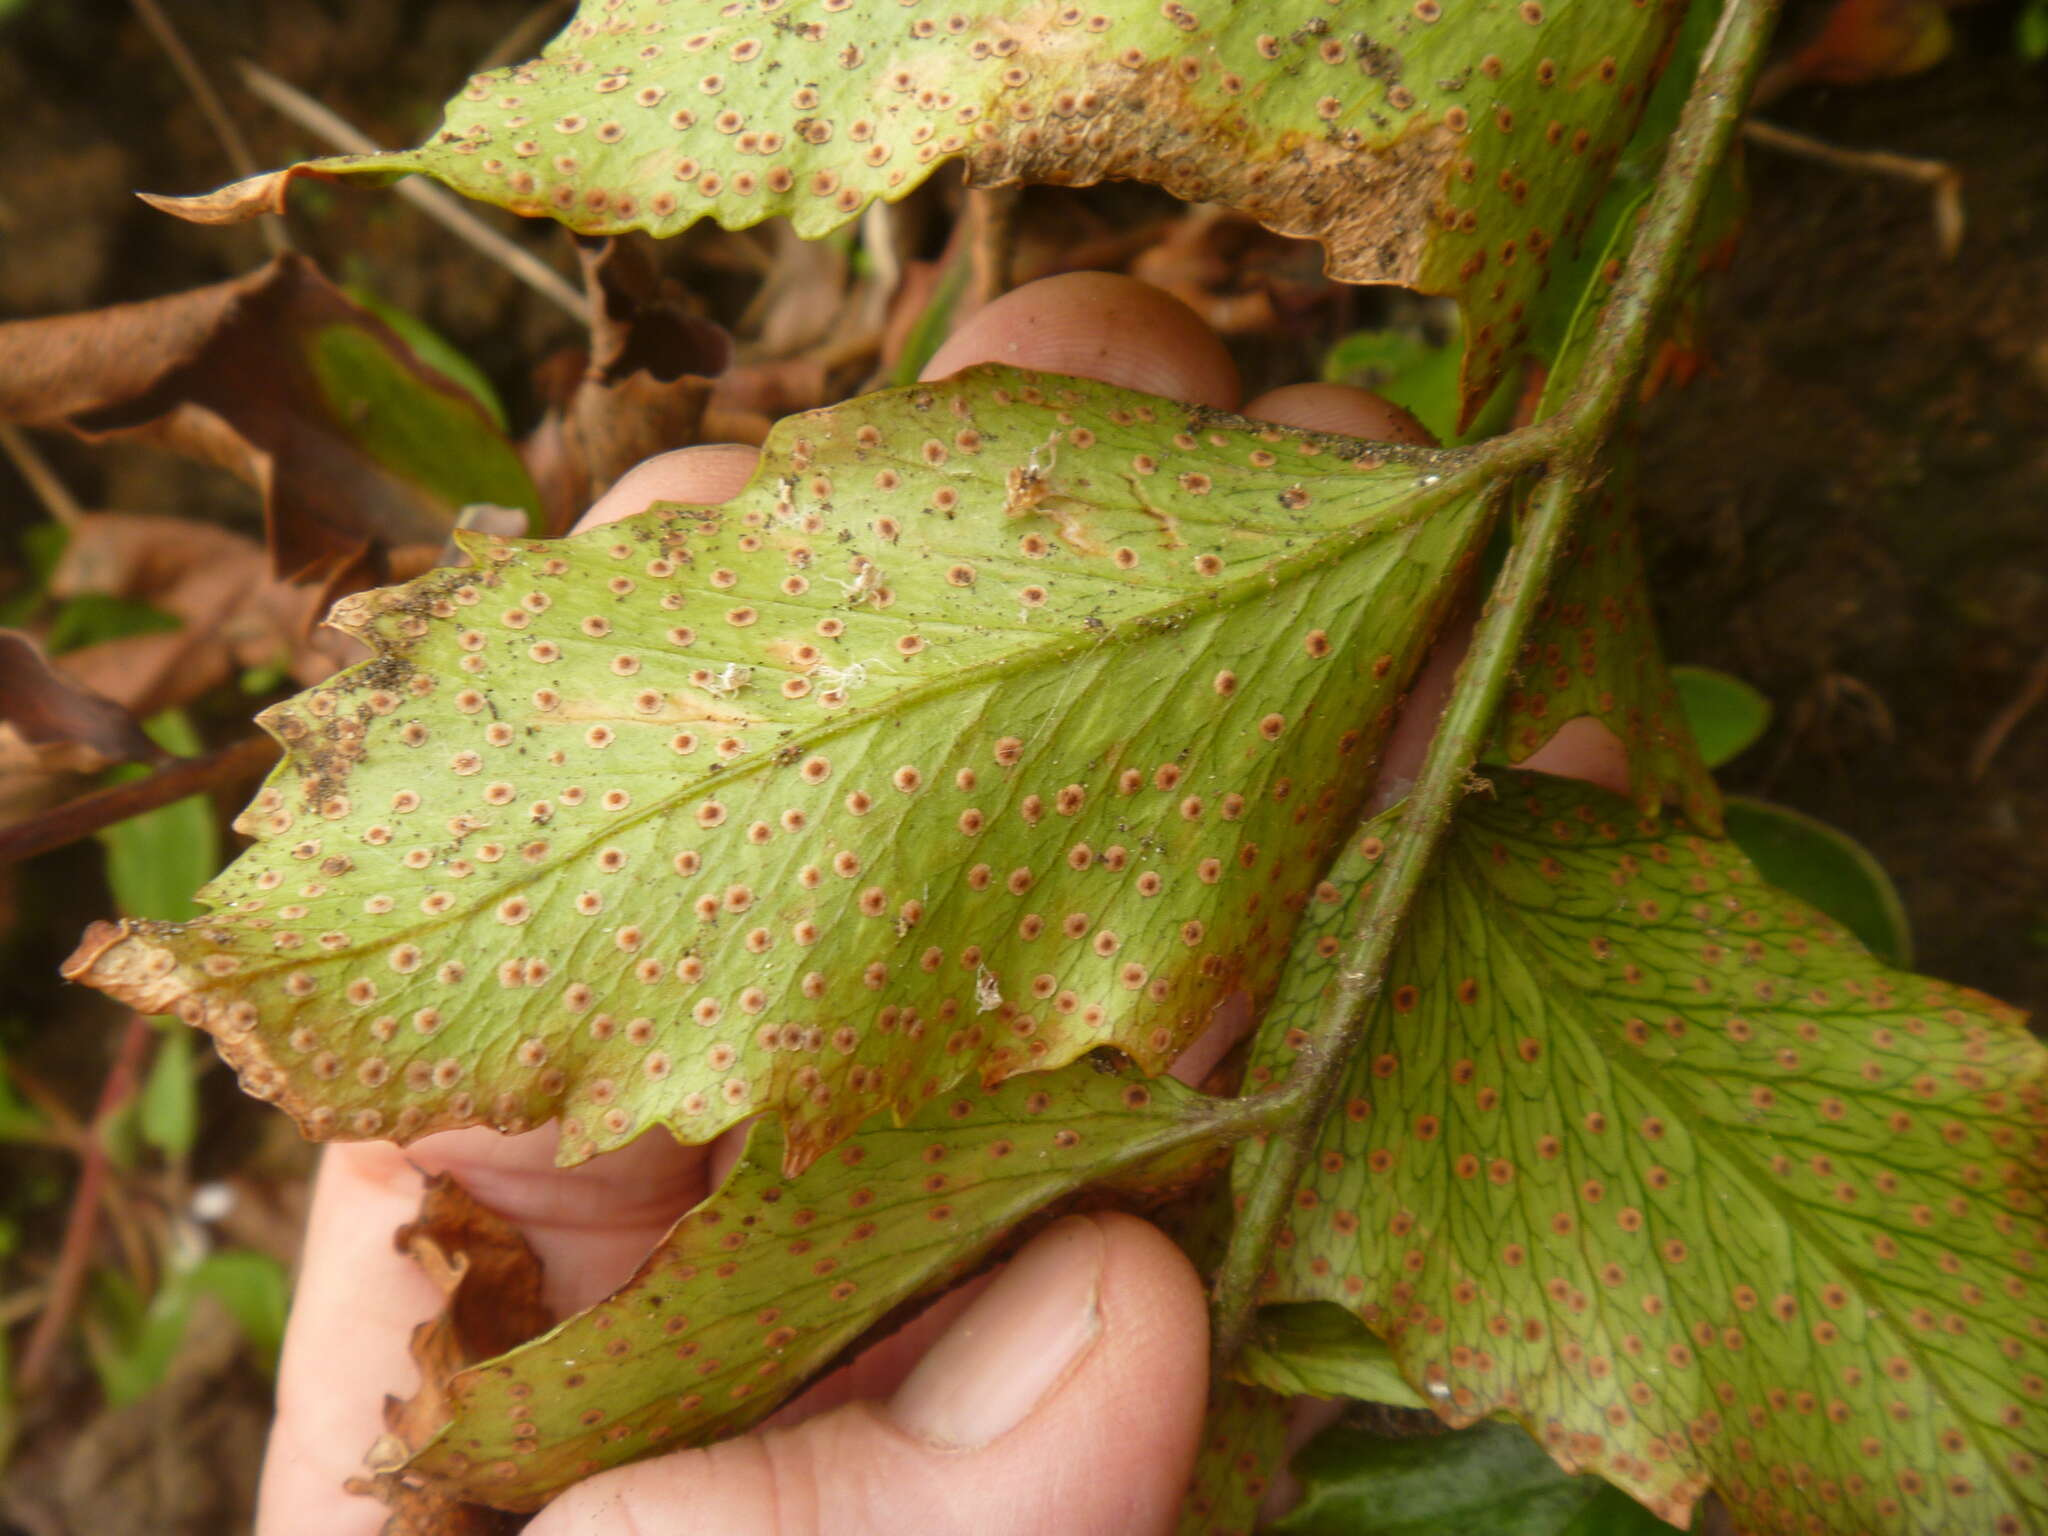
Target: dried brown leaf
357, 446
53, 723
234, 613
639, 322
147, 674
640, 390
490, 1280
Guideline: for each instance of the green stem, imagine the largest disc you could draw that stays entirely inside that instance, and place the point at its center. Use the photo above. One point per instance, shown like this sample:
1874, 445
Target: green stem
1567, 448
225, 766
1656, 265
1320, 1071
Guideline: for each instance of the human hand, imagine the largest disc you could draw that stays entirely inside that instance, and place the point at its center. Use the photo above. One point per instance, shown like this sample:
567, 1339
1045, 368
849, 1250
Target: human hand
1063, 1394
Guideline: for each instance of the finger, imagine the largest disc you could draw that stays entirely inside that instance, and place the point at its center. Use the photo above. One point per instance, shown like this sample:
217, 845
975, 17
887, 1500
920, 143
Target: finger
358, 1298
700, 476
1307, 1417
880, 1369
1340, 408
1068, 1398
1582, 748
1098, 325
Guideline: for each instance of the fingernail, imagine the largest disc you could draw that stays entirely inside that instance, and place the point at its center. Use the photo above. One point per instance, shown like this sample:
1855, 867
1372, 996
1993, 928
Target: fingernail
1009, 1349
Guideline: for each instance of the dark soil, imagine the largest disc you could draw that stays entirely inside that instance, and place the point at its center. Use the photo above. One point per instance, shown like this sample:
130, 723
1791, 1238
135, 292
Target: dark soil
1851, 508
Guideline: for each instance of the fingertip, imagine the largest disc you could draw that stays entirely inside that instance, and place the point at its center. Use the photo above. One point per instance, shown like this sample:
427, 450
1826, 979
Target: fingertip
1343, 409
1093, 1339
1421, 712
358, 1299
1106, 1450
703, 476
1584, 749
1229, 1022
1154, 1298
1103, 326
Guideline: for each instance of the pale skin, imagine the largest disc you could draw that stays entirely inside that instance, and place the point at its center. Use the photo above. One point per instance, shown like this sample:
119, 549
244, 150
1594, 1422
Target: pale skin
1062, 1396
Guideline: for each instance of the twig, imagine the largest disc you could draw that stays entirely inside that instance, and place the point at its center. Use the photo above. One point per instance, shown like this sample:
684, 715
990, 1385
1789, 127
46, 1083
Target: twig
1659, 257
215, 110
1566, 448
878, 227
141, 1230
66, 1129
82, 817
2002, 725
82, 1224
22, 1305
523, 38
992, 240
438, 204
1945, 181
52, 492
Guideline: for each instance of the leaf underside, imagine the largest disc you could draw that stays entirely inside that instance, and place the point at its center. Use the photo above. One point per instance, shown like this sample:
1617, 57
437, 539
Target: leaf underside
1665, 1165
771, 1279
1243, 1448
994, 721
1592, 648
1450, 147
1592, 651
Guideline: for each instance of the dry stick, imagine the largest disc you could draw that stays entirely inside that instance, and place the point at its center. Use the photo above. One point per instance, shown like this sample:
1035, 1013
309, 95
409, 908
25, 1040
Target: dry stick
74, 1258
82, 817
436, 202
22, 1305
67, 1131
1945, 181
1566, 448
523, 38
2007, 720
141, 1230
240, 159
992, 212
52, 492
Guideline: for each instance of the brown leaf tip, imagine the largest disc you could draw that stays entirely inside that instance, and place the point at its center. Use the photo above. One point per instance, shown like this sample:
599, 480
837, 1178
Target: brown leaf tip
386, 1455
240, 201
122, 960
235, 203
114, 958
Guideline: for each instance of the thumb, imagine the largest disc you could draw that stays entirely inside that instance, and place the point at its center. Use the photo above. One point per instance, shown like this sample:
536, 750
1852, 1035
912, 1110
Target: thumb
1068, 1398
